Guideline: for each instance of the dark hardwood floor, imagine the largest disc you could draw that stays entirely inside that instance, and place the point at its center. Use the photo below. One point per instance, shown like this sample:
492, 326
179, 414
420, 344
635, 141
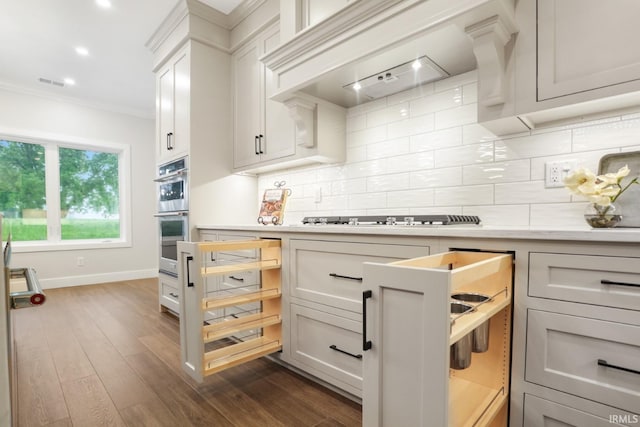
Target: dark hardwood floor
104, 355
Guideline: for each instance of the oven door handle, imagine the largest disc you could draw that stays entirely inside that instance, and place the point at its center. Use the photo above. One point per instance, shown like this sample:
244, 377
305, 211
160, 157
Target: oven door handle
163, 214
172, 175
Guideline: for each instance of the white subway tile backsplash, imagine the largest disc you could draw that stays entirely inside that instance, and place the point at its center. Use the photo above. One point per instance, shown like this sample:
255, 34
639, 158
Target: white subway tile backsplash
464, 155
464, 196
440, 160
458, 116
533, 146
410, 162
389, 182
529, 192
410, 198
437, 139
412, 126
608, 135
474, 133
386, 115
349, 186
408, 95
368, 168
446, 100
441, 177
516, 170
355, 123
558, 215
503, 215
388, 148
367, 201
366, 136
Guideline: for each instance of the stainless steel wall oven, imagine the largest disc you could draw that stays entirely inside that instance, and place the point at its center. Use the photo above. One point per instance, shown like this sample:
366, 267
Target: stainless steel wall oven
173, 212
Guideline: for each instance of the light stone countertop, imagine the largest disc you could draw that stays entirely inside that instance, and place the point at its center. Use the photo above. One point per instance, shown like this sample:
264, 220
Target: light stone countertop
616, 235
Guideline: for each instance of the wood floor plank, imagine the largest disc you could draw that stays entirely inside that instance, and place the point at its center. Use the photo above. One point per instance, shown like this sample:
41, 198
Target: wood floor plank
40, 397
89, 403
189, 407
152, 413
136, 378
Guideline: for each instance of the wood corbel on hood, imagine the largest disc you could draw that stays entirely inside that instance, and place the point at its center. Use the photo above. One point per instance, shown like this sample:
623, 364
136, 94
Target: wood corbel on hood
365, 29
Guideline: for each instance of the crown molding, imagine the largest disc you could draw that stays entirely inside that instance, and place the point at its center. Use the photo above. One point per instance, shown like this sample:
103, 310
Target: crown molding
112, 108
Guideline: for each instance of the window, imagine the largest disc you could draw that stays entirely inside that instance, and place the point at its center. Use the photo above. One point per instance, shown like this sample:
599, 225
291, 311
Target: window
60, 193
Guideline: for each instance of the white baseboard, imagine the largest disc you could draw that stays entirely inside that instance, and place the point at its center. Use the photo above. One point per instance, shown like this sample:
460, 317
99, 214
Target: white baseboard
93, 279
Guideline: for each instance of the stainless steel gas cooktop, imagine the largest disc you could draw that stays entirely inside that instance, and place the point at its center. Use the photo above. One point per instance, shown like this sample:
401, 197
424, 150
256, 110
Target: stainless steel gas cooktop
394, 220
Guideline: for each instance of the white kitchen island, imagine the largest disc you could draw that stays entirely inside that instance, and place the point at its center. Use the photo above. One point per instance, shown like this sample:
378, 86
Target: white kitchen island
576, 309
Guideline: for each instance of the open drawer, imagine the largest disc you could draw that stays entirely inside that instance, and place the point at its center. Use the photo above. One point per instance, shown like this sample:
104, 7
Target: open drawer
410, 338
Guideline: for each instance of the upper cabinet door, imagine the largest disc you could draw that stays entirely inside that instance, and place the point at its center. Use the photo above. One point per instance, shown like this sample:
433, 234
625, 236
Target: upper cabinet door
585, 45
165, 111
246, 104
173, 108
279, 137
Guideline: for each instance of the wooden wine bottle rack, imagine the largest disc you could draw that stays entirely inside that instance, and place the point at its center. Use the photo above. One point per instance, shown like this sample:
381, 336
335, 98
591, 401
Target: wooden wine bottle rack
196, 333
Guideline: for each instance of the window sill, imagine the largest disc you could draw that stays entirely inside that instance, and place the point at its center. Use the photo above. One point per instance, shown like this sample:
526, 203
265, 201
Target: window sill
70, 245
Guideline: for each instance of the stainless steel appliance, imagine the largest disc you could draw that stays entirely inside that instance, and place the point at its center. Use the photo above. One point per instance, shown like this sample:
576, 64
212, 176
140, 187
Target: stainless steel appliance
409, 220
173, 188
173, 212
174, 227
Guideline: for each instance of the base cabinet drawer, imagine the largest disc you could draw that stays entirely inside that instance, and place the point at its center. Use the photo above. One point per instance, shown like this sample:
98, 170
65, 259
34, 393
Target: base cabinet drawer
330, 273
168, 290
594, 359
328, 346
544, 413
590, 279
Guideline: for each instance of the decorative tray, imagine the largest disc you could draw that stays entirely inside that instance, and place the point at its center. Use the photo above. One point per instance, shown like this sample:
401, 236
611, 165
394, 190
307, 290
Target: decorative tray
629, 202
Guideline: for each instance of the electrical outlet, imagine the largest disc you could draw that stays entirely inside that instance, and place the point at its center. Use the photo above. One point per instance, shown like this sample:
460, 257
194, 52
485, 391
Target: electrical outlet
80, 261
556, 172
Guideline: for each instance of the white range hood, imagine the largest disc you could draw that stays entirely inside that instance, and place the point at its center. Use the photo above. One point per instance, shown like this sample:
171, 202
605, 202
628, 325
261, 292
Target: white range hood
375, 42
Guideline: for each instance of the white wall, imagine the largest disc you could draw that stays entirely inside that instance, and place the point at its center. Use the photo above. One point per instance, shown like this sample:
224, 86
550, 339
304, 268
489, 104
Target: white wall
28, 113
422, 151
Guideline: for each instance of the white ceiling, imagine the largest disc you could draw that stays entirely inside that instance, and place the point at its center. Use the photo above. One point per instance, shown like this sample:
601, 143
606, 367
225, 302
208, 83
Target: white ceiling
38, 40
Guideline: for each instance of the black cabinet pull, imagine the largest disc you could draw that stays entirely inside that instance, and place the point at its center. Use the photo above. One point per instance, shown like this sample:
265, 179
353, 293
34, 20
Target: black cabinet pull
611, 282
366, 345
240, 279
334, 347
173, 294
340, 276
189, 282
169, 144
260, 144
602, 362
255, 145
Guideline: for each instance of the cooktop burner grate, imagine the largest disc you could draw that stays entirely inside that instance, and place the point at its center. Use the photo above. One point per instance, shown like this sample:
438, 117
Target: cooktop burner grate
395, 220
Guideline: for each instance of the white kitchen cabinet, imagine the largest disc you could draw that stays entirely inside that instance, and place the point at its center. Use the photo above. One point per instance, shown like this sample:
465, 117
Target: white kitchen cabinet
172, 88
544, 413
169, 294
408, 331
330, 272
571, 60
263, 129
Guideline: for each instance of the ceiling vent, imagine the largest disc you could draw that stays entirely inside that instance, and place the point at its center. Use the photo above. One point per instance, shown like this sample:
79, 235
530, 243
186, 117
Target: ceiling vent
402, 77
51, 82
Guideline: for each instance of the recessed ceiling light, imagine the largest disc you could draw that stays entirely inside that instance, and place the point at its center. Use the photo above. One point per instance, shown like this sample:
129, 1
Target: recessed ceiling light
104, 3
69, 82
82, 51
357, 86
416, 64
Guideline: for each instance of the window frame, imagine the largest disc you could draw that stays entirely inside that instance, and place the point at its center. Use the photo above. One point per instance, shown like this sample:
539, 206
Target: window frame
54, 240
